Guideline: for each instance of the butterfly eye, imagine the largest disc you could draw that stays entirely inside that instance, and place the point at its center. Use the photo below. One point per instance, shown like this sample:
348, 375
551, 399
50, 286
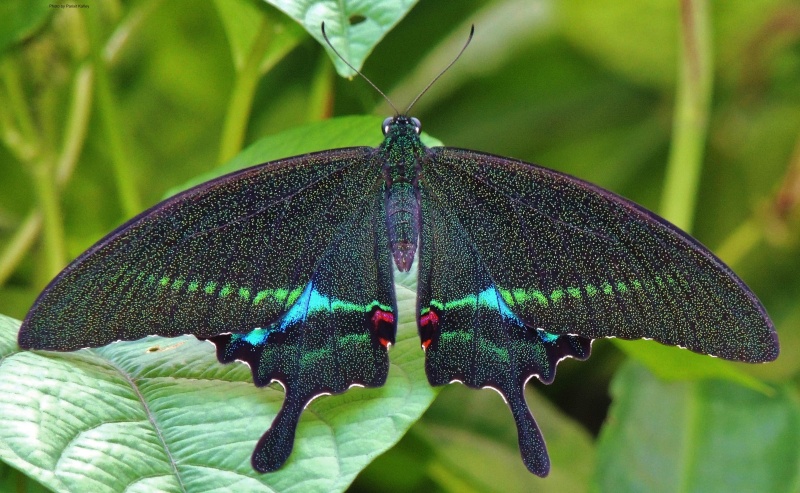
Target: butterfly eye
417, 125
386, 124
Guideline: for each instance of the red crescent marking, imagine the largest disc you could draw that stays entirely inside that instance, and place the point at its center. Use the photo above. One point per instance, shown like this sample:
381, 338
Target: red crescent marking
382, 316
429, 318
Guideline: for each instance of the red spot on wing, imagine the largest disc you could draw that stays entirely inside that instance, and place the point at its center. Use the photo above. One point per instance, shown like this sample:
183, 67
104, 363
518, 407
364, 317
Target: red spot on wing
429, 318
382, 316
378, 318
428, 324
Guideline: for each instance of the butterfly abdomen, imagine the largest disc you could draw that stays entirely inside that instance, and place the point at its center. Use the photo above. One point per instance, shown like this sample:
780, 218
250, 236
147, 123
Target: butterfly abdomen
402, 222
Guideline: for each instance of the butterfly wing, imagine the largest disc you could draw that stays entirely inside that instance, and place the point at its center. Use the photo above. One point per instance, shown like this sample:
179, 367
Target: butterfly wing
284, 266
334, 336
571, 258
521, 267
469, 333
226, 256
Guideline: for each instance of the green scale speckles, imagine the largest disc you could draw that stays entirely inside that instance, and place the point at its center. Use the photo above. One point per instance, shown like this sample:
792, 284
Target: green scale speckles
522, 297
284, 297
472, 333
244, 294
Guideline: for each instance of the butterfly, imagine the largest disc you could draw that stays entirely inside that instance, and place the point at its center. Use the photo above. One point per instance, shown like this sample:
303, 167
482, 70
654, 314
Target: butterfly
287, 266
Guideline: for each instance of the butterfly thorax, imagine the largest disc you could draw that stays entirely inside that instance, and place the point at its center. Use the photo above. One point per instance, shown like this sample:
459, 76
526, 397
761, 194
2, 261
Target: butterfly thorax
400, 154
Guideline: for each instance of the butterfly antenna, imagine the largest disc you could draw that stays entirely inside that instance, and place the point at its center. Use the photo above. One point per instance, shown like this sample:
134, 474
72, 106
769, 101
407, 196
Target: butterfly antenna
471, 32
325, 35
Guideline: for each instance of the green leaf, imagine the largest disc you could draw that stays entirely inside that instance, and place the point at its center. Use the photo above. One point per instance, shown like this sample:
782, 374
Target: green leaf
243, 20
473, 437
638, 39
346, 131
164, 415
673, 363
20, 18
706, 436
353, 27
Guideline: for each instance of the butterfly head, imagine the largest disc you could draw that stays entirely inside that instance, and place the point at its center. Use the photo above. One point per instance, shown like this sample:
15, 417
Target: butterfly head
401, 125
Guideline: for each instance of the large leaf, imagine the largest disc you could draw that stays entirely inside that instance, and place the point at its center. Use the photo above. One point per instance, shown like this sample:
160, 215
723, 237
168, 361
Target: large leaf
697, 436
163, 415
354, 27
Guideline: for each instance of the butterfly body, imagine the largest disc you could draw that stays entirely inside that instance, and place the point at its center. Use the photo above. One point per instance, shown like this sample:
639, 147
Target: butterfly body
288, 266
402, 153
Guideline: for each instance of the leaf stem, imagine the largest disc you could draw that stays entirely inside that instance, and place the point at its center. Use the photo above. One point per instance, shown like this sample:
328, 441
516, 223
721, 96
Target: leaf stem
690, 122
77, 123
127, 27
741, 241
41, 163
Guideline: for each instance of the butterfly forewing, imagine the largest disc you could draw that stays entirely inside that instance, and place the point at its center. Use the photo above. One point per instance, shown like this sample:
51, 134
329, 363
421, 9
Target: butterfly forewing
571, 258
226, 256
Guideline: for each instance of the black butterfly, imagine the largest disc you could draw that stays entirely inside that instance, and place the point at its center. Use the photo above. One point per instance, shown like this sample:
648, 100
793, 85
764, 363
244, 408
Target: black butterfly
288, 267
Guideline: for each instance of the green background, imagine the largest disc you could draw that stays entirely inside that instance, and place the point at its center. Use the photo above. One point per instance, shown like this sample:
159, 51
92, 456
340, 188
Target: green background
106, 108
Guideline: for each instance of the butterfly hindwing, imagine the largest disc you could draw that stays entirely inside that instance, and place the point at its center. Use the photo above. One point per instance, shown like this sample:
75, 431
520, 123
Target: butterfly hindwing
571, 258
225, 256
335, 335
469, 333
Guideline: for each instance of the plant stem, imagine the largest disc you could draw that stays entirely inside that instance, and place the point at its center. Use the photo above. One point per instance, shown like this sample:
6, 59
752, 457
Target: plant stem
18, 130
112, 124
740, 242
781, 209
74, 138
127, 27
16, 103
320, 99
77, 123
33, 152
244, 89
47, 197
19, 244
690, 123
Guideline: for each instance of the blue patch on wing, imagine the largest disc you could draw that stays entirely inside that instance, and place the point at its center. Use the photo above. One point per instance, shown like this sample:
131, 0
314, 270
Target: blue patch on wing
491, 298
547, 336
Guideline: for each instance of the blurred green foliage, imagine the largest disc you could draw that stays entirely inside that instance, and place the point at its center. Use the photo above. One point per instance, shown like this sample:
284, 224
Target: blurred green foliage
585, 87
